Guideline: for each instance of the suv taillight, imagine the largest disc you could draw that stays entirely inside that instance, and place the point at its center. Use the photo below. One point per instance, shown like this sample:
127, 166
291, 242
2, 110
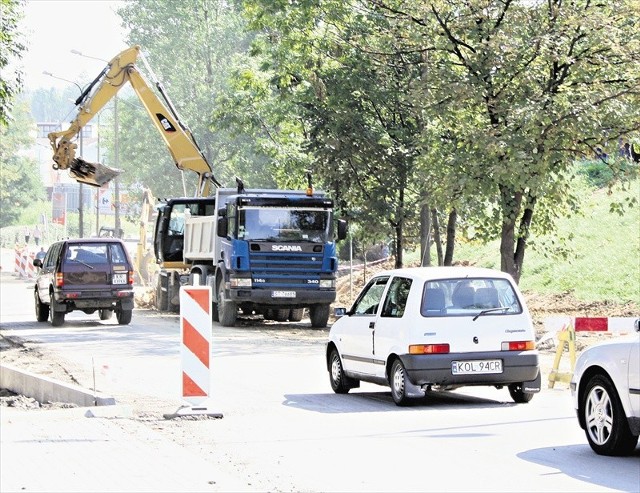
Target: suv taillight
59, 279
130, 277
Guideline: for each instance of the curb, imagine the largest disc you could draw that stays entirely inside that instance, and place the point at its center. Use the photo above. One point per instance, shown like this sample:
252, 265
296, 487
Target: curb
45, 389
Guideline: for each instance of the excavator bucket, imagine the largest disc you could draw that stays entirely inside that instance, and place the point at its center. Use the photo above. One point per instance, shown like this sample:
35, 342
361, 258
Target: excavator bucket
94, 174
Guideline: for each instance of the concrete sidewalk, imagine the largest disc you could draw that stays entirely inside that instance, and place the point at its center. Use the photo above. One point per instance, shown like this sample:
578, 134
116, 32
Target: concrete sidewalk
64, 450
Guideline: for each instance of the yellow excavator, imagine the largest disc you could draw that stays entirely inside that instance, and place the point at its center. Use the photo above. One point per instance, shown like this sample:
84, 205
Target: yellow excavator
178, 138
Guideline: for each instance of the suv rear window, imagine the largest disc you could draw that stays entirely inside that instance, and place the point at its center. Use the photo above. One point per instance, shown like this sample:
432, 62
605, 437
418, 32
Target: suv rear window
95, 253
456, 297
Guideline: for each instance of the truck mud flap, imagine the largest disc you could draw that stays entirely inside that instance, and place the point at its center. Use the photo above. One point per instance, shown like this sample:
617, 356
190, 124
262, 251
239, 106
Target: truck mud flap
94, 174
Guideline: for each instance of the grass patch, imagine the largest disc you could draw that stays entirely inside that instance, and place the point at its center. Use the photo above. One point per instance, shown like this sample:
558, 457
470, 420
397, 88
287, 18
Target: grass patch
603, 255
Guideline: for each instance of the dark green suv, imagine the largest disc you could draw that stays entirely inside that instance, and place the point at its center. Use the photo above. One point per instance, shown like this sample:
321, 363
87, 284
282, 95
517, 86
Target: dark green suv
87, 275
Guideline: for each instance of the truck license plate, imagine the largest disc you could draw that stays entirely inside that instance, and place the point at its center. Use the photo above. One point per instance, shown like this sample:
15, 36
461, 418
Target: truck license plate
120, 278
283, 294
476, 366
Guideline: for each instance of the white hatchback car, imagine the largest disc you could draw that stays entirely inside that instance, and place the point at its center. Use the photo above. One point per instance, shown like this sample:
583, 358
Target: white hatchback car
605, 387
429, 328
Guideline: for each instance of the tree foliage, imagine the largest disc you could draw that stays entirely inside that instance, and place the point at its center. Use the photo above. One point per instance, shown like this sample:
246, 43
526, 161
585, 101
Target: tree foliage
191, 47
492, 101
20, 182
11, 48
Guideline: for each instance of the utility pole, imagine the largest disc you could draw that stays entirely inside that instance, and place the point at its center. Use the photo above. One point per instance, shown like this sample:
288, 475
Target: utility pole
80, 187
117, 163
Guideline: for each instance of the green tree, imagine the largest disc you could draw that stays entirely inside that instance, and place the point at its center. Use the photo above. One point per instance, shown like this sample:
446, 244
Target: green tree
11, 48
191, 46
510, 94
20, 182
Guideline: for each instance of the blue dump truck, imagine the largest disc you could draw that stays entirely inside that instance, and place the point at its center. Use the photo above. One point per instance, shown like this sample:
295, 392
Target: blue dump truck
264, 252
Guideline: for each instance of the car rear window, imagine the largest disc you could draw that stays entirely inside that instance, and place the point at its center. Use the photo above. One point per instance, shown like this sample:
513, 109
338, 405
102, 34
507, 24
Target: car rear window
469, 296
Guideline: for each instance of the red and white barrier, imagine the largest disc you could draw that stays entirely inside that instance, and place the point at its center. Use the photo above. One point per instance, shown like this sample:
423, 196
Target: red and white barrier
195, 330
619, 325
23, 263
195, 350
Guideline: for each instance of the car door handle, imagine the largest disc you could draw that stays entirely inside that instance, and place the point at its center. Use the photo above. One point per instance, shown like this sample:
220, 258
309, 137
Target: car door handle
372, 325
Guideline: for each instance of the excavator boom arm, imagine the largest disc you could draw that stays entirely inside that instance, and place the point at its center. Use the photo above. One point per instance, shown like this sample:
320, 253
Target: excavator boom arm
179, 140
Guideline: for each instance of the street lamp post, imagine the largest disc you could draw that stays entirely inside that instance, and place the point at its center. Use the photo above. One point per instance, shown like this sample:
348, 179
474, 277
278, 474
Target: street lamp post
80, 187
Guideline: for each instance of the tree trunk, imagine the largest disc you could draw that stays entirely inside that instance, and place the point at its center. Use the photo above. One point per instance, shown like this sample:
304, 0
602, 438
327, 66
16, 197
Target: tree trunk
436, 235
451, 237
510, 204
399, 244
425, 236
523, 236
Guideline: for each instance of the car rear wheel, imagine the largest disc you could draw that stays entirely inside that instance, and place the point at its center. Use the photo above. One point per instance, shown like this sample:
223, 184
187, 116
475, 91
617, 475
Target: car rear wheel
518, 396
337, 377
398, 383
42, 309
607, 428
105, 314
124, 316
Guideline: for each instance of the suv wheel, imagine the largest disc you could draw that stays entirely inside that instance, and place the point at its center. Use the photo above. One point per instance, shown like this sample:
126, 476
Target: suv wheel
42, 309
57, 318
124, 316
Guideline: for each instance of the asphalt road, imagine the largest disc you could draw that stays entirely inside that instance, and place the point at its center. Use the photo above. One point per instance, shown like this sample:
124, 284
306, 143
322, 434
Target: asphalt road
283, 427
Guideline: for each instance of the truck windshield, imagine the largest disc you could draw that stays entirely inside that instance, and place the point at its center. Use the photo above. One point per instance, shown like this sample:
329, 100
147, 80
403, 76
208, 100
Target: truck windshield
283, 224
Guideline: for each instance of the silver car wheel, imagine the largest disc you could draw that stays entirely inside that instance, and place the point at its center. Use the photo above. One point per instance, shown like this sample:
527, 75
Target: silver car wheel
336, 368
398, 380
599, 415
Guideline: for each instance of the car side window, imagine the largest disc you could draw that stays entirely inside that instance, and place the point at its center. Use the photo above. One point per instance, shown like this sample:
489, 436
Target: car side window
369, 299
397, 295
117, 254
51, 256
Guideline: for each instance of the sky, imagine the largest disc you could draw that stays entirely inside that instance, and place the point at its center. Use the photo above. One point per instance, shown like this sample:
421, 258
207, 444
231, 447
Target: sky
52, 28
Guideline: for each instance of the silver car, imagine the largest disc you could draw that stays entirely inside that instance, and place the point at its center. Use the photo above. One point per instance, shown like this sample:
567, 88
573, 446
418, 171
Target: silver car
605, 387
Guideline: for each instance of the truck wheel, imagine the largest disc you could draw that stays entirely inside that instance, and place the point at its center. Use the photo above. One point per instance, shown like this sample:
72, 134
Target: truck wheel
319, 315
42, 309
281, 315
227, 310
296, 314
214, 312
162, 297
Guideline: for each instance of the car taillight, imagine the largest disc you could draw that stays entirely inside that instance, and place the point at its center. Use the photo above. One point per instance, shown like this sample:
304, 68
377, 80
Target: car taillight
130, 277
429, 349
518, 345
59, 279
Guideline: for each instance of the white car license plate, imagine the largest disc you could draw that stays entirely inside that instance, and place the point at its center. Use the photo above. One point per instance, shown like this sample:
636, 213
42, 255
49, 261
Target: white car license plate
283, 294
476, 366
120, 278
